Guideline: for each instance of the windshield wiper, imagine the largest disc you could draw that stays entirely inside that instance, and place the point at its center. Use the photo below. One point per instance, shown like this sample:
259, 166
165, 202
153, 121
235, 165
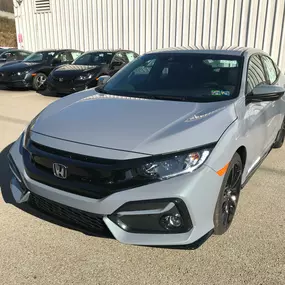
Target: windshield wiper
153, 96
166, 97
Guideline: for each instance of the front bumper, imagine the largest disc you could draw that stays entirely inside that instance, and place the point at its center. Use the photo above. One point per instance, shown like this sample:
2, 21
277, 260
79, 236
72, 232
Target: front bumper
12, 82
198, 192
66, 87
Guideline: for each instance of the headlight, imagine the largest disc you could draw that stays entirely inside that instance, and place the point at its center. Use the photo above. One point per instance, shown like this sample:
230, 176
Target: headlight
27, 131
84, 77
177, 165
19, 73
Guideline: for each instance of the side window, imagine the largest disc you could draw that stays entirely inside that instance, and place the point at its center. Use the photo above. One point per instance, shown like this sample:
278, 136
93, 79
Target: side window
131, 56
65, 56
269, 69
120, 57
75, 54
11, 55
6, 55
255, 73
23, 54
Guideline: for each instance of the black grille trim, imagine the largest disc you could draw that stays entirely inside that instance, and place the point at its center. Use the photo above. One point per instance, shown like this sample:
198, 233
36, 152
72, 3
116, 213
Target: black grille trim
87, 176
75, 156
85, 220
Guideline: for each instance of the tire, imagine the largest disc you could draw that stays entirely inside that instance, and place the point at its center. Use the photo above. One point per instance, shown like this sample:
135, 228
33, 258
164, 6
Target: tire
39, 82
229, 195
280, 137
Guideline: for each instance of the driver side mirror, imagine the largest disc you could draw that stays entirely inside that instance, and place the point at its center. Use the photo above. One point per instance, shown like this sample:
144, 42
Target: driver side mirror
263, 93
102, 80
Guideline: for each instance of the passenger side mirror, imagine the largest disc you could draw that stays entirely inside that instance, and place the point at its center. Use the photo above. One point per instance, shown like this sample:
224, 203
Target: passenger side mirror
102, 80
263, 93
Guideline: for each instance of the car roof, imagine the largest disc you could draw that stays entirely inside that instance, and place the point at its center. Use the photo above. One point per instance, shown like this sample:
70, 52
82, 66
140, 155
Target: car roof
107, 50
7, 50
56, 50
4, 50
222, 50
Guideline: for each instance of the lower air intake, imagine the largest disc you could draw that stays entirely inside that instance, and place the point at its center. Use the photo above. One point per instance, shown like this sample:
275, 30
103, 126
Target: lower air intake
91, 222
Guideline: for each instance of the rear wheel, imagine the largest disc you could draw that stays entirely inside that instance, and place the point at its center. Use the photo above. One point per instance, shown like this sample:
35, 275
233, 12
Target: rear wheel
39, 82
229, 195
280, 137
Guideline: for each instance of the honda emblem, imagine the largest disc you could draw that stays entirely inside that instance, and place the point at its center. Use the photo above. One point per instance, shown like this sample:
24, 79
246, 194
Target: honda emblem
60, 171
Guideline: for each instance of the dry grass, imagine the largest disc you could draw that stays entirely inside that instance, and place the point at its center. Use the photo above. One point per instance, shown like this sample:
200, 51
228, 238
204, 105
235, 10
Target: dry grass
7, 33
6, 5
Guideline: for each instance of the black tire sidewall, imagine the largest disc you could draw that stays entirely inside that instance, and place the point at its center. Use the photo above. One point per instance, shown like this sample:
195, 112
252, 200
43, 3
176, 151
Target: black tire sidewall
219, 228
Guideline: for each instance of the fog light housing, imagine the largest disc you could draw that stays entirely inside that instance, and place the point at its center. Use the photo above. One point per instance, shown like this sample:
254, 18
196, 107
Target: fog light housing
171, 221
153, 216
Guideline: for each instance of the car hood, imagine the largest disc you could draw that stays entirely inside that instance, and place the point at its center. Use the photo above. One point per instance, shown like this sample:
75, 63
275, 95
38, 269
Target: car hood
135, 125
20, 66
72, 70
8, 63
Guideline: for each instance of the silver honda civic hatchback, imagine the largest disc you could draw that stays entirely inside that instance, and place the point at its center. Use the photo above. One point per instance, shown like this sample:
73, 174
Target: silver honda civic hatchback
157, 154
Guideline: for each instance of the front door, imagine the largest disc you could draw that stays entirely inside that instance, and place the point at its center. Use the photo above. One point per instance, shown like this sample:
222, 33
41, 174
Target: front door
275, 112
255, 116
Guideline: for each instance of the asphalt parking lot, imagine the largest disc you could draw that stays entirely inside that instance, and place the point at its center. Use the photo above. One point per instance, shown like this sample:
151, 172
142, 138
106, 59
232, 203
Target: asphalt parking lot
36, 249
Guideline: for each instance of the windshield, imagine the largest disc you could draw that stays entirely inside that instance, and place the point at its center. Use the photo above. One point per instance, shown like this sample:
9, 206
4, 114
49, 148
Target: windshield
94, 58
179, 76
40, 56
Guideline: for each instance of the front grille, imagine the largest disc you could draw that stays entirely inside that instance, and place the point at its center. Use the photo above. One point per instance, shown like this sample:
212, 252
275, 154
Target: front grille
86, 176
91, 222
62, 80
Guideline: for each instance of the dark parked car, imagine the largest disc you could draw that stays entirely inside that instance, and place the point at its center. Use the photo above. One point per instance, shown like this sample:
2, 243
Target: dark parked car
84, 72
12, 56
33, 71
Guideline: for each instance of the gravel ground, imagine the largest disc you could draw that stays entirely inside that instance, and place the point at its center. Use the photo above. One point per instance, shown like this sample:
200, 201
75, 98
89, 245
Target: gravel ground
35, 249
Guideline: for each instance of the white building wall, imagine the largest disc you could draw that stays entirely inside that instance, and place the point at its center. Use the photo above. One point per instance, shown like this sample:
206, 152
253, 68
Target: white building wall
143, 25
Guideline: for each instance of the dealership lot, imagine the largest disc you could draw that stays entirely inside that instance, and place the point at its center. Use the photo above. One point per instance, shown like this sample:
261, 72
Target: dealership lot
35, 249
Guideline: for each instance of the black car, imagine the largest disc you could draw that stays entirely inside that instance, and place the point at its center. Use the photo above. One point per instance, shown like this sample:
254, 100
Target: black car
84, 72
12, 56
33, 71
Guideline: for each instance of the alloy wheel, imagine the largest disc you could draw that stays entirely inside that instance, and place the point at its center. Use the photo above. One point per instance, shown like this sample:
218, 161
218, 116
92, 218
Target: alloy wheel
231, 194
41, 81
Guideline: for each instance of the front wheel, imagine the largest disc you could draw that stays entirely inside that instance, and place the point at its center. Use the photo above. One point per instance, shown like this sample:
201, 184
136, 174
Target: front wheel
39, 82
229, 195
